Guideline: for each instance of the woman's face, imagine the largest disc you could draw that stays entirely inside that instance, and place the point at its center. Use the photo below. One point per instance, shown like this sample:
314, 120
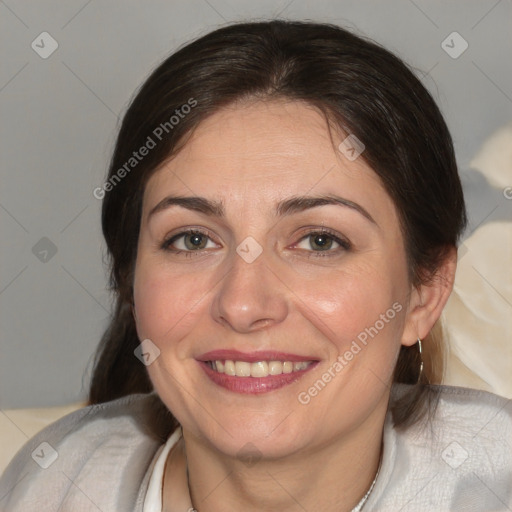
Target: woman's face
293, 276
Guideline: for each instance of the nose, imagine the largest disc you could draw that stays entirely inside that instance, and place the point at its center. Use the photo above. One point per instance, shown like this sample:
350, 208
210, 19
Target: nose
250, 297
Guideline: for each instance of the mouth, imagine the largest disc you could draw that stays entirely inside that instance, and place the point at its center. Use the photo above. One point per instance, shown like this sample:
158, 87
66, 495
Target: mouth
257, 372
258, 369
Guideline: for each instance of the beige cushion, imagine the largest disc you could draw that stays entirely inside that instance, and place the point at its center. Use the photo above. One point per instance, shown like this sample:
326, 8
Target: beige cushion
478, 316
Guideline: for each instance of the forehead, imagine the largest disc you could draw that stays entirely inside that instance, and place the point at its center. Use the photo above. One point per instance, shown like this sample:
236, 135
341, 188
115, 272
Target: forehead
265, 150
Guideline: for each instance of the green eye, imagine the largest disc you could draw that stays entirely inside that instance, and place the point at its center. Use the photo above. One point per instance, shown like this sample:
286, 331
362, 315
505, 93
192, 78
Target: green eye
194, 241
323, 241
188, 241
320, 241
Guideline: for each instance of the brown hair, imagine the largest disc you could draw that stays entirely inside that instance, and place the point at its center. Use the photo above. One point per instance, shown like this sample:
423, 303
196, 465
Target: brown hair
364, 89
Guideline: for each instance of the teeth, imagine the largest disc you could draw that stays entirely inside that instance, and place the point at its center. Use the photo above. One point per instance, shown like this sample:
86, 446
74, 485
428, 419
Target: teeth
242, 369
229, 367
287, 367
258, 369
275, 367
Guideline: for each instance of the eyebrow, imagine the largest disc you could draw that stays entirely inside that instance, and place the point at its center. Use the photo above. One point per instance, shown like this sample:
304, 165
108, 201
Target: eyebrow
286, 207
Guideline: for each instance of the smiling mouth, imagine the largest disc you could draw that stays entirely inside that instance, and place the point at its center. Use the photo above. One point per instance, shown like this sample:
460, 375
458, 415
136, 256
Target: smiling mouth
257, 369
254, 372
255, 377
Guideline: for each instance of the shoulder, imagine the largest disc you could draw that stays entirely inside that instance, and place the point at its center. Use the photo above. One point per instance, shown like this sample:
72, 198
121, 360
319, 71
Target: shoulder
454, 410
478, 419
82, 458
457, 396
460, 459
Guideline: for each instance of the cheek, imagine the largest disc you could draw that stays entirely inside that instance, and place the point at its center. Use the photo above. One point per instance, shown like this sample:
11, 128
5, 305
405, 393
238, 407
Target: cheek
360, 312
351, 300
164, 302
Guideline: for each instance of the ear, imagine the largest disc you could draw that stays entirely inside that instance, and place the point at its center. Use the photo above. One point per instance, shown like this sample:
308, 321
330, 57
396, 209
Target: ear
427, 301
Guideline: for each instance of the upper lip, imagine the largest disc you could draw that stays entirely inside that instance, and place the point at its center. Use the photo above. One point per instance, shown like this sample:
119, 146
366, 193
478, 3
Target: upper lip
252, 357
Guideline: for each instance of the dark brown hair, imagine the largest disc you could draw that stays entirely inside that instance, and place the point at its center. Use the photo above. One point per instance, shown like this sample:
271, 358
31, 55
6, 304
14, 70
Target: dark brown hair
359, 86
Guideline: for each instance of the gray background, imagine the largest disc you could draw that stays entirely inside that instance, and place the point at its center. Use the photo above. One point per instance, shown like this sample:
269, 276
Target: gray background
59, 118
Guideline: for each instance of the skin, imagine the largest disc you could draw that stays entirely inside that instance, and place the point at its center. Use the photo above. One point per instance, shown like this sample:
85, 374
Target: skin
293, 298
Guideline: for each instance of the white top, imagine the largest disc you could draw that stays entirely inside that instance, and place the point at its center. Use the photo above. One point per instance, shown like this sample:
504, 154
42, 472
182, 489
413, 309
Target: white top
453, 462
153, 501
112, 456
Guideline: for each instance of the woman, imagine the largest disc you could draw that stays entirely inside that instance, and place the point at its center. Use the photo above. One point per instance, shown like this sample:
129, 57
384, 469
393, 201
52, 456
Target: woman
282, 213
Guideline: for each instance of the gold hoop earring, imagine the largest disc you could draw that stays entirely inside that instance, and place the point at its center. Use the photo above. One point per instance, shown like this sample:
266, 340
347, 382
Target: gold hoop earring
421, 361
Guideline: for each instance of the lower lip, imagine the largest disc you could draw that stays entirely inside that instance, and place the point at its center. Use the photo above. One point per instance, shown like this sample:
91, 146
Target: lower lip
253, 385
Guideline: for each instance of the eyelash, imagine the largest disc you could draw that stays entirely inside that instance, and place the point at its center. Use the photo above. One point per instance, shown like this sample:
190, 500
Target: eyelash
344, 244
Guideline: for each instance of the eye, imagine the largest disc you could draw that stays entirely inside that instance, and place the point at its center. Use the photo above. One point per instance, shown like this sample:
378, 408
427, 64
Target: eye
188, 241
323, 241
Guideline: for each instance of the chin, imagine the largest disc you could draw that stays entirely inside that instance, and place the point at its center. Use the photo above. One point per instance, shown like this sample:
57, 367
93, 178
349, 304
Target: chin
255, 439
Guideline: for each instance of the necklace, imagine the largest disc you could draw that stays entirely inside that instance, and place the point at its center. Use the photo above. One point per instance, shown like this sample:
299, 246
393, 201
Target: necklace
360, 505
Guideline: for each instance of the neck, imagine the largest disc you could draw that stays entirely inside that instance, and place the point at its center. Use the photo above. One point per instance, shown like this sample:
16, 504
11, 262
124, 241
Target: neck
329, 477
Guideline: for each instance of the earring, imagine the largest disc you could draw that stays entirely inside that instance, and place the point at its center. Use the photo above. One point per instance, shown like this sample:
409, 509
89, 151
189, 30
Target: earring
421, 361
